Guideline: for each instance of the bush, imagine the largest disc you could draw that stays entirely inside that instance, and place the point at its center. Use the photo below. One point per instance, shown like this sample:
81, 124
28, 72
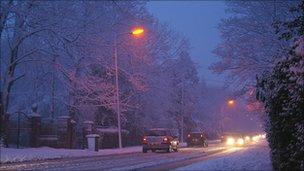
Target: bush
282, 92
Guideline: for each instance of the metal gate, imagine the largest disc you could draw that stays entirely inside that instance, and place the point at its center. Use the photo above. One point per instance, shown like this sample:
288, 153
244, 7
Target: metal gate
18, 129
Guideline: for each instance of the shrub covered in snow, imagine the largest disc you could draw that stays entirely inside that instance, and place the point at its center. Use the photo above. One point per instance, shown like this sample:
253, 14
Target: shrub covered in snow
282, 92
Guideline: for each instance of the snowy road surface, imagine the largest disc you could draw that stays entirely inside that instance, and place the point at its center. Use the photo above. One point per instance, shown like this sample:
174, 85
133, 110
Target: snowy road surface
136, 160
253, 158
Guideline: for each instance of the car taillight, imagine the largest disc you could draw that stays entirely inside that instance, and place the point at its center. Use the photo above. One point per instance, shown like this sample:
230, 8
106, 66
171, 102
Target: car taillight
144, 140
166, 140
189, 135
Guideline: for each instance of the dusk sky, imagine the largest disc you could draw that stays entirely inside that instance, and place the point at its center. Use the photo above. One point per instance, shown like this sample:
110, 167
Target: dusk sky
197, 21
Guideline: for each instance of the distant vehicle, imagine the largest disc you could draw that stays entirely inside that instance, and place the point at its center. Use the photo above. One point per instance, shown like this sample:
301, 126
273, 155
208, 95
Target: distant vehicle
160, 139
196, 139
233, 138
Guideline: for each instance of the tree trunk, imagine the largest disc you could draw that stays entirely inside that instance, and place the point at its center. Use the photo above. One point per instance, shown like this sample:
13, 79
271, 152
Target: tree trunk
9, 79
4, 10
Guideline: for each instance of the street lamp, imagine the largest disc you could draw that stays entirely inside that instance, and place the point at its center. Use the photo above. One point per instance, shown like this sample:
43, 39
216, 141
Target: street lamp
135, 32
231, 102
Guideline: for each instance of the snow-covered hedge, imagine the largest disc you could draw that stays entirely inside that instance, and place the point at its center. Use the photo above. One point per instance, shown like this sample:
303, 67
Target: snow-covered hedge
282, 92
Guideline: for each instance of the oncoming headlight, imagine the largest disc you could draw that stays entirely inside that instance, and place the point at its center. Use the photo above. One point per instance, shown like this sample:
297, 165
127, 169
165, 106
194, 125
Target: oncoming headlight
240, 141
255, 138
230, 141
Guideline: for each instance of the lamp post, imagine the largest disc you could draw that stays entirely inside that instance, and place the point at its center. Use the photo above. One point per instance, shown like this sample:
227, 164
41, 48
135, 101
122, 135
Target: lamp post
182, 115
229, 103
135, 32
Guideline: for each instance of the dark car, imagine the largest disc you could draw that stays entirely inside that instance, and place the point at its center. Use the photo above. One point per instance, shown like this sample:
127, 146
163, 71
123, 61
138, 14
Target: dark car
160, 139
196, 139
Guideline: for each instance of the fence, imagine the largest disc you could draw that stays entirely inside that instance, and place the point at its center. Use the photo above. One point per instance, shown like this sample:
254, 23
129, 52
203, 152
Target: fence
36, 131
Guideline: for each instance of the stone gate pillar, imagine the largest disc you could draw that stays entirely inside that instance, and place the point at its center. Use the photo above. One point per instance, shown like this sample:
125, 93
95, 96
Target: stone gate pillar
35, 126
86, 130
66, 132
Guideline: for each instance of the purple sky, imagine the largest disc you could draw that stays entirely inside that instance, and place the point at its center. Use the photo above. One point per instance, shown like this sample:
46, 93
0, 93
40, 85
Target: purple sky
196, 20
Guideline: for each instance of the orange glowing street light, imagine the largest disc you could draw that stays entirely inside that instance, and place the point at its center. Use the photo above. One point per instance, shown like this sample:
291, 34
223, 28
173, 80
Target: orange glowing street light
231, 102
137, 31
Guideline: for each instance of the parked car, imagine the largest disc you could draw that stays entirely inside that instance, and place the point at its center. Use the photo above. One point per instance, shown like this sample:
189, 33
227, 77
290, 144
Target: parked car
196, 139
160, 139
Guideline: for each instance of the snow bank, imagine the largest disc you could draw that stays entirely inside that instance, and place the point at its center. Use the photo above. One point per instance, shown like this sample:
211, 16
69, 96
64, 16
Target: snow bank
26, 154
253, 158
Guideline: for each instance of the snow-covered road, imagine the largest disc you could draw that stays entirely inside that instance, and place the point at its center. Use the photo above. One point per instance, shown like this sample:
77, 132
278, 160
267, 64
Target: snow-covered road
254, 157
128, 161
135, 160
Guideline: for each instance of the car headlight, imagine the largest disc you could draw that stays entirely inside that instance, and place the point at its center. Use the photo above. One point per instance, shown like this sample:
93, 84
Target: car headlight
230, 141
240, 141
247, 138
255, 138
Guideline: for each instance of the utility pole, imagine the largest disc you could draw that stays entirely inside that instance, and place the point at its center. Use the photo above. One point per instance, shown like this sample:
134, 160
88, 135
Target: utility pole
53, 89
182, 114
117, 92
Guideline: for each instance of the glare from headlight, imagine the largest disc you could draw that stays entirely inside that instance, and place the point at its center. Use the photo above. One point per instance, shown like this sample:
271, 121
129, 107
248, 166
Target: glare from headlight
174, 143
230, 141
240, 141
264, 136
247, 138
255, 138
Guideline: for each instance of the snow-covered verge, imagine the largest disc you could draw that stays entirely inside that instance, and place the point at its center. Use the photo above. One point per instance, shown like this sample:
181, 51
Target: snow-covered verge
27, 154
255, 157
8, 155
